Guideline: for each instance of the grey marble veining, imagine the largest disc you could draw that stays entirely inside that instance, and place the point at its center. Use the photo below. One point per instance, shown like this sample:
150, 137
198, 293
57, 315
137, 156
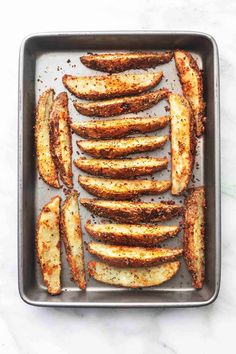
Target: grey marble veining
25, 329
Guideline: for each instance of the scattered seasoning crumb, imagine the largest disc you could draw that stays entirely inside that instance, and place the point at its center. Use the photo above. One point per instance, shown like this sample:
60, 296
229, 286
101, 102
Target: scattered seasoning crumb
68, 61
167, 108
66, 191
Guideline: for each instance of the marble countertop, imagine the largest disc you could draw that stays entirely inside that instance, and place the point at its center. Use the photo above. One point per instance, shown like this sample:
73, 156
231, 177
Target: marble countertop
25, 329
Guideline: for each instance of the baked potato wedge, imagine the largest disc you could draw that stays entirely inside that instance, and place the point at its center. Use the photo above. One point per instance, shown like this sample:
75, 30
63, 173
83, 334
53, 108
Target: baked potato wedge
131, 235
117, 62
122, 168
121, 147
132, 212
183, 143
110, 86
46, 165
118, 128
118, 106
192, 84
122, 189
48, 245
194, 235
73, 238
126, 256
133, 277
61, 138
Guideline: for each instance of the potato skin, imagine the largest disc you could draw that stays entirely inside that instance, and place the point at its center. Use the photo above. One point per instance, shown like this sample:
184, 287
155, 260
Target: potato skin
192, 83
118, 128
73, 241
133, 277
131, 235
194, 229
46, 166
118, 62
61, 140
132, 212
126, 256
110, 86
122, 168
121, 147
51, 272
119, 106
183, 143
121, 189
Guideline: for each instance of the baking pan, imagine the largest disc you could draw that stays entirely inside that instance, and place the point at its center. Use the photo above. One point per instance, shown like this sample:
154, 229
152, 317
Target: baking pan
44, 58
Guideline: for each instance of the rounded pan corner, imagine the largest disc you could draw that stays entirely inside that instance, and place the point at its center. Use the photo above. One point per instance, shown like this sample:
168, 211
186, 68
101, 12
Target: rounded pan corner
25, 298
26, 42
211, 39
211, 299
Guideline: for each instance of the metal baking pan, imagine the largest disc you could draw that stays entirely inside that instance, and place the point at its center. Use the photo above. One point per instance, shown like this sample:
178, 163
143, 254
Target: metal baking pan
44, 58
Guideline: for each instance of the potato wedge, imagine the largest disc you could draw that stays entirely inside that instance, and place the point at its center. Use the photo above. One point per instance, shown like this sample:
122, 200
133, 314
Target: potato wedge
131, 235
46, 166
117, 62
61, 138
133, 277
125, 256
122, 168
121, 147
118, 106
118, 128
183, 143
48, 245
73, 238
104, 87
122, 189
194, 235
192, 84
132, 212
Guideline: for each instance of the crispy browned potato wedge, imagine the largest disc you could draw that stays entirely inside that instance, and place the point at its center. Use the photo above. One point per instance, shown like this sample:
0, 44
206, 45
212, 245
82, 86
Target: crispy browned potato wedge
118, 128
131, 235
125, 256
122, 168
132, 212
122, 189
194, 235
121, 147
117, 62
73, 238
117, 106
183, 143
61, 138
192, 84
48, 245
100, 87
133, 277
46, 166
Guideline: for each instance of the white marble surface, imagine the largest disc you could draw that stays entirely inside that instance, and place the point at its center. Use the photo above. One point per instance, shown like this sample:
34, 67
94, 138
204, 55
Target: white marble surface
25, 329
